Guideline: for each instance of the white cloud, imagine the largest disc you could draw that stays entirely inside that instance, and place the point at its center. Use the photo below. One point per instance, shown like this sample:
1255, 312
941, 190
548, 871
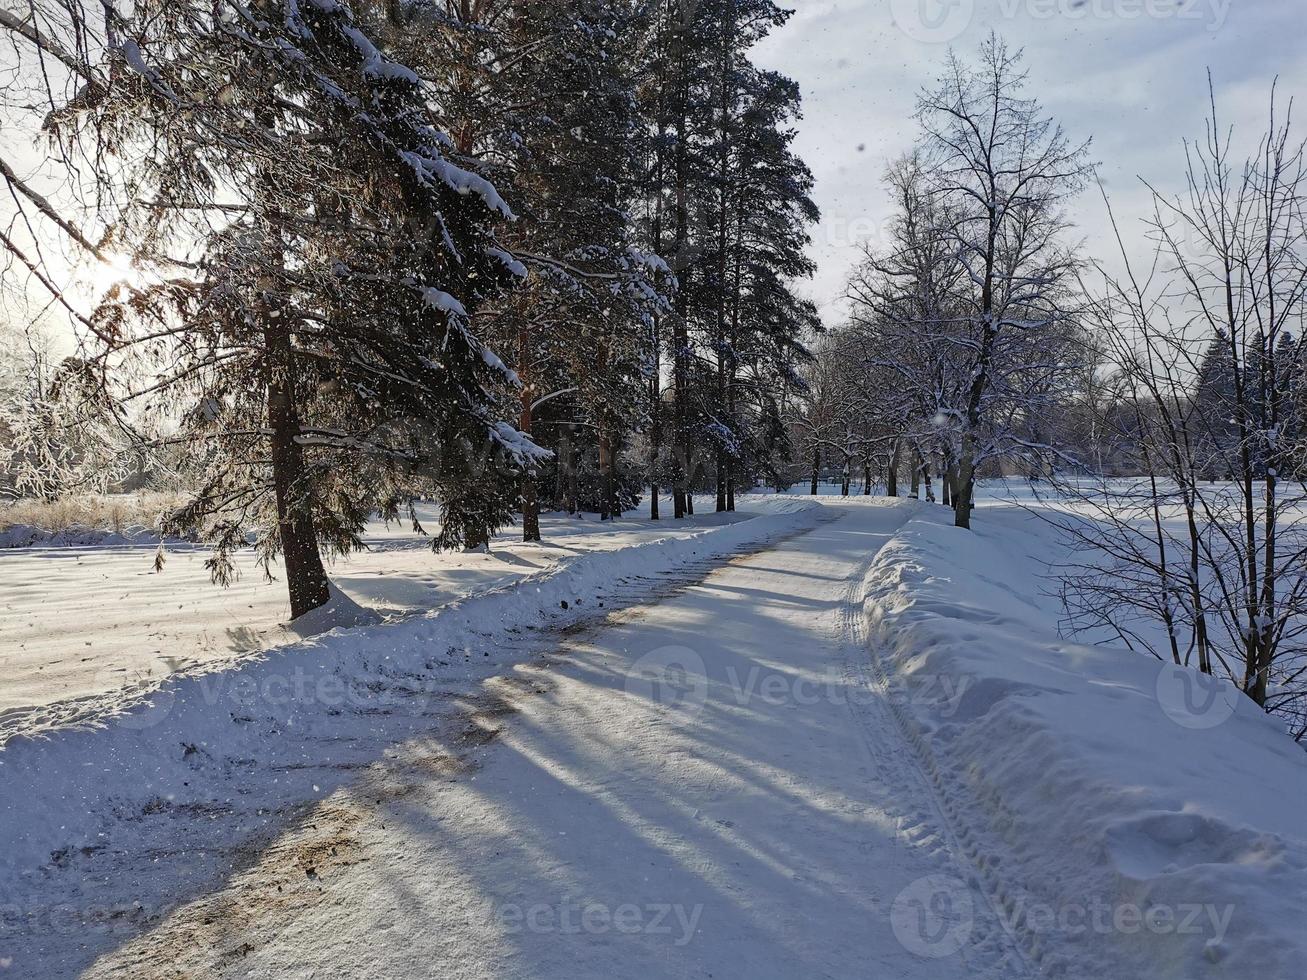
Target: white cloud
1129, 73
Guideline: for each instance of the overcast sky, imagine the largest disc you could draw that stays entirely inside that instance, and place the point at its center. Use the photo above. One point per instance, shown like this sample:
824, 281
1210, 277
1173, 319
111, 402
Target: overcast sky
1129, 73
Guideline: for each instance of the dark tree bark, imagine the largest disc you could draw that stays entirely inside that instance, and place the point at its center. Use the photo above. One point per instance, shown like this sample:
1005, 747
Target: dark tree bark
306, 578
655, 377
680, 327
530, 497
721, 480
608, 477
655, 423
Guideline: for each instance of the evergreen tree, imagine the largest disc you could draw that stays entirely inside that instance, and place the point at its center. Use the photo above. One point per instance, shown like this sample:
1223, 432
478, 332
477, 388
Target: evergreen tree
1216, 439
315, 344
763, 322
585, 320
728, 205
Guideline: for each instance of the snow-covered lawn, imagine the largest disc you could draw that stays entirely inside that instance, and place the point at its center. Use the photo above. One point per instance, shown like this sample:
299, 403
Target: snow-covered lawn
77, 622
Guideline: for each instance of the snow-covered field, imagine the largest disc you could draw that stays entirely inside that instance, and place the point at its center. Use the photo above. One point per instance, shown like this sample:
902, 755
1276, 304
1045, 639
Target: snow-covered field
857, 748
82, 621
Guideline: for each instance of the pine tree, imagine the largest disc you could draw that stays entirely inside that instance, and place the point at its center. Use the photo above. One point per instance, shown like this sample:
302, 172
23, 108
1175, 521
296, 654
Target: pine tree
765, 323
552, 112
316, 344
581, 177
710, 109
1216, 441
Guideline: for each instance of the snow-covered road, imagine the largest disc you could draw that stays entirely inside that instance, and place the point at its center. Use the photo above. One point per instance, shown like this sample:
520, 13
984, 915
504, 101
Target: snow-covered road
706, 787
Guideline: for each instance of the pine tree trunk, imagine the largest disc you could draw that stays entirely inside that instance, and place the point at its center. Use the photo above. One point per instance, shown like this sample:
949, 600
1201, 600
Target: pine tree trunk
608, 477
614, 500
655, 430
306, 578
560, 476
530, 497
655, 378
736, 280
530, 508
721, 481
567, 476
723, 222
816, 468
680, 327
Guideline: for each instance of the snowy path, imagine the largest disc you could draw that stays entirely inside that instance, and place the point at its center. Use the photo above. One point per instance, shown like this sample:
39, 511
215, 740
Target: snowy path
753, 811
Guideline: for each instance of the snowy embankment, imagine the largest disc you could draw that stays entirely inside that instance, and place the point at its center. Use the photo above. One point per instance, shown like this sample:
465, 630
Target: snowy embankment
27, 536
1127, 818
247, 747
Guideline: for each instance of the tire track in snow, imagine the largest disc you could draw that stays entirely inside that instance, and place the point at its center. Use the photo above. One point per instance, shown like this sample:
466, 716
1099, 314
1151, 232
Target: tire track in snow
932, 820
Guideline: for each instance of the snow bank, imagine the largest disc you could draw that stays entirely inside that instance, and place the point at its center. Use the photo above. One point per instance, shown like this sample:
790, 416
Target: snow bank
1127, 819
77, 536
246, 743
